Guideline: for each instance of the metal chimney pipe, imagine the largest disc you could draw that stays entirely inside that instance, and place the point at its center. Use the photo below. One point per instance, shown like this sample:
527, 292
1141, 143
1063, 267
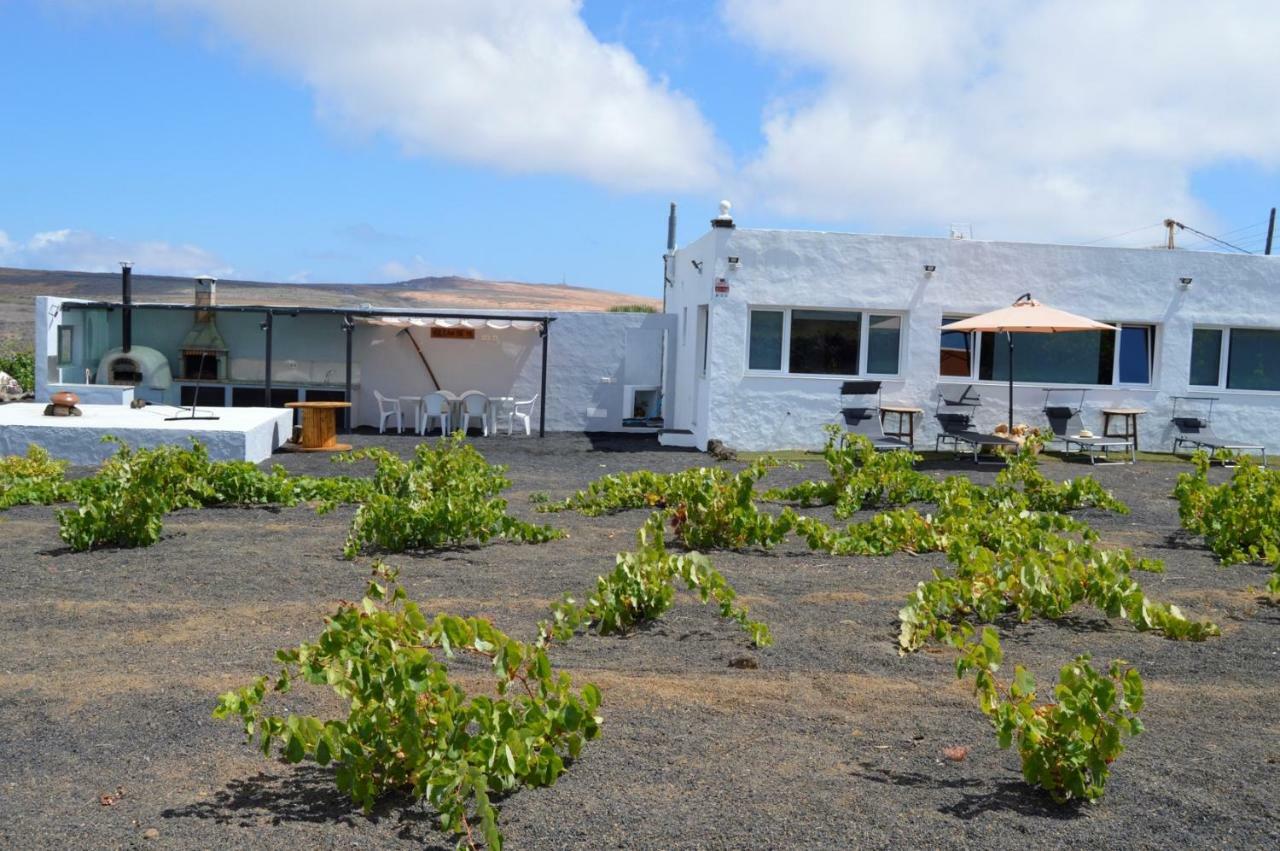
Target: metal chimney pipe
126, 298
671, 229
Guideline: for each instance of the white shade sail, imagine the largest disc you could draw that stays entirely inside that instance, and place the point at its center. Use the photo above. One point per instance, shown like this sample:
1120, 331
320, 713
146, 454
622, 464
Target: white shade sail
448, 322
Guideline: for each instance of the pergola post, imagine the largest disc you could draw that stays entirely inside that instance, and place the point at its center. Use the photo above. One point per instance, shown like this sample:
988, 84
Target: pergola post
349, 327
268, 326
542, 389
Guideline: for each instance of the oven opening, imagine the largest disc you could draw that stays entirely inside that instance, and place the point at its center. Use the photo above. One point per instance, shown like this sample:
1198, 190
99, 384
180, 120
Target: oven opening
125, 371
200, 365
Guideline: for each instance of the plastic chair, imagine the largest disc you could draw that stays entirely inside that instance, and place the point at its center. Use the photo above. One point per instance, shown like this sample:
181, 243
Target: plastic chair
388, 408
434, 406
524, 415
475, 405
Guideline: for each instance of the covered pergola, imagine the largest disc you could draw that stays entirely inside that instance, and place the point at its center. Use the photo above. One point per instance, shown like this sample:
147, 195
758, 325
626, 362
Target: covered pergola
350, 318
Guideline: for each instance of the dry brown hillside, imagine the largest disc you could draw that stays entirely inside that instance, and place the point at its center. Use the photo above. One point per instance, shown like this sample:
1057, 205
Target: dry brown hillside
19, 287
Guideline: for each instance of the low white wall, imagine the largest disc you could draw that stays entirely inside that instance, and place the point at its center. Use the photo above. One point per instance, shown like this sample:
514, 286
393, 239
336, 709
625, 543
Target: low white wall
241, 434
849, 271
96, 394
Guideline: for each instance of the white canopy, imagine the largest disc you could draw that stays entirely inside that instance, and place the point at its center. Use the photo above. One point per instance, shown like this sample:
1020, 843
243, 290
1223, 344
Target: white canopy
448, 322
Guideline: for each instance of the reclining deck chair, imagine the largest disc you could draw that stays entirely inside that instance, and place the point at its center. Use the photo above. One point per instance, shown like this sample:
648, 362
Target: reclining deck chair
1197, 432
957, 426
1064, 421
865, 420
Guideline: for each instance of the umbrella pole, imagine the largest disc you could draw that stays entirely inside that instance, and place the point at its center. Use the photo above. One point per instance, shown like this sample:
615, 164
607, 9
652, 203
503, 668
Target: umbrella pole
1009, 336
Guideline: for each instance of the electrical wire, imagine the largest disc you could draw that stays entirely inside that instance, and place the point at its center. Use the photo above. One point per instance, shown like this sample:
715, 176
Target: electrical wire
1212, 238
1126, 233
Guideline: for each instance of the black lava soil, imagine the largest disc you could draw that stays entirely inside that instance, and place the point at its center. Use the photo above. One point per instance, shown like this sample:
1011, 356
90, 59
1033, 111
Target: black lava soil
112, 660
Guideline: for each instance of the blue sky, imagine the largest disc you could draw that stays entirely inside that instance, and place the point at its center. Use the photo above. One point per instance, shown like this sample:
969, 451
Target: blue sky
356, 142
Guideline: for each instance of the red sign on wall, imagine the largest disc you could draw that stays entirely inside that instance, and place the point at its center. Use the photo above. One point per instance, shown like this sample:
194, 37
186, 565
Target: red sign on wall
722, 288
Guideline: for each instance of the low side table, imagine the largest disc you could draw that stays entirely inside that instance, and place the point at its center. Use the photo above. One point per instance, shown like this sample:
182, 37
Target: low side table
319, 426
909, 433
1128, 418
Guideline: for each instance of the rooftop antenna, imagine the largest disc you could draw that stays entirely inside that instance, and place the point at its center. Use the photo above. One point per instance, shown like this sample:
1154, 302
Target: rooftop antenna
1271, 230
671, 228
1171, 225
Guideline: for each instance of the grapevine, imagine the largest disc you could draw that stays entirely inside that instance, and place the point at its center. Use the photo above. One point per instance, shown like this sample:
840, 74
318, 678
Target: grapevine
641, 589
409, 726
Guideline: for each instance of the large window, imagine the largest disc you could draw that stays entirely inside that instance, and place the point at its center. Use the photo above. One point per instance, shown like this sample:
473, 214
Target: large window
1235, 358
1100, 358
803, 341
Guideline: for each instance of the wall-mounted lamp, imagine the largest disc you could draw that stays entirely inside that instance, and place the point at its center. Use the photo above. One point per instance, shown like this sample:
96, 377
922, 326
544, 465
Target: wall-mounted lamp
1186, 283
697, 264
734, 262
929, 268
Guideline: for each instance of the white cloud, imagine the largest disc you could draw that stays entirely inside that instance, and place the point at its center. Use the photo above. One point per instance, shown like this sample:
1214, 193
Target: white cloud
86, 251
1045, 120
524, 86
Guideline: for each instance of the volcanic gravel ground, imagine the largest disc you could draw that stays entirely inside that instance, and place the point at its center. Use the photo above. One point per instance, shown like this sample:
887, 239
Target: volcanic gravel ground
112, 660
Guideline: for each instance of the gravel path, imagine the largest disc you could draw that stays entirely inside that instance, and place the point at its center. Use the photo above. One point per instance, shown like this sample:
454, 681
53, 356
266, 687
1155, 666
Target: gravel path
111, 662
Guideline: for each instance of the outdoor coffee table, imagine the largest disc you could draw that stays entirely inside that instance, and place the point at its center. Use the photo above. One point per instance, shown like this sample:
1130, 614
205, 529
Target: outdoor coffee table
319, 426
1128, 418
909, 433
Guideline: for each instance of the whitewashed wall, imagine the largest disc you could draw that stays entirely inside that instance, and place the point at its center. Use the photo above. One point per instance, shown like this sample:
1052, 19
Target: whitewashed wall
830, 270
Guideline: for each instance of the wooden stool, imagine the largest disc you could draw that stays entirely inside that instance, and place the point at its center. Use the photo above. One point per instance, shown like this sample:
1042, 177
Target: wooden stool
1128, 418
910, 431
319, 426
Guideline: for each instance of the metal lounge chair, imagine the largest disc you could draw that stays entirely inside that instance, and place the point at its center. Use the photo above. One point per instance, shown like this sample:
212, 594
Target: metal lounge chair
865, 420
1064, 421
1197, 432
957, 427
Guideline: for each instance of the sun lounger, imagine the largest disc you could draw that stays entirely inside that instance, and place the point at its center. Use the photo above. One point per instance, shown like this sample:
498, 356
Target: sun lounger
1066, 425
865, 420
957, 430
1198, 433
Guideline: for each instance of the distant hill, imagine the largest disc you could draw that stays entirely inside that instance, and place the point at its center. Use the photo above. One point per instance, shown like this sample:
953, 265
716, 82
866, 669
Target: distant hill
19, 287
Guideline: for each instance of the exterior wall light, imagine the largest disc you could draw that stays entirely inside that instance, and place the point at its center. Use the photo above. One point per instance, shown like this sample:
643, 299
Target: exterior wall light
1186, 283
929, 269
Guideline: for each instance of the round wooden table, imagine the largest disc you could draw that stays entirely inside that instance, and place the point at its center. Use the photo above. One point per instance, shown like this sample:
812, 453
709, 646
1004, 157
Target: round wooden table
320, 426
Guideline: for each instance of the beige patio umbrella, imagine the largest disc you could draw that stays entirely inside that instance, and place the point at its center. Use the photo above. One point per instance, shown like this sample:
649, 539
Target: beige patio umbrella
1025, 316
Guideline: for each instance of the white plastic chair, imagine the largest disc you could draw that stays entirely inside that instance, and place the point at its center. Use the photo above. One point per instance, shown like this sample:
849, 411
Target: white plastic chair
388, 408
523, 410
475, 405
434, 406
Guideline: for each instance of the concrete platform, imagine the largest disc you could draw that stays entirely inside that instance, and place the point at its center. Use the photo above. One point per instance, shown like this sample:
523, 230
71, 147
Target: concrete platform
240, 434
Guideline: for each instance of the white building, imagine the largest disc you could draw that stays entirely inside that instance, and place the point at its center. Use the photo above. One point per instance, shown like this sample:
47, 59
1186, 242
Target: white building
769, 323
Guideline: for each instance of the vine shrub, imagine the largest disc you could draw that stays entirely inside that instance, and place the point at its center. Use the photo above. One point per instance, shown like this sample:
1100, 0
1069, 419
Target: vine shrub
861, 478
641, 588
124, 503
1022, 472
409, 726
708, 507
33, 479
445, 496
1067, 745
1240, 518
20, 364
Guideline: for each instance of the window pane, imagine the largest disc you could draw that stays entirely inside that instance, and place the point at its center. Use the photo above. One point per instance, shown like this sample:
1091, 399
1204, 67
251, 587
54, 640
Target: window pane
882, 344
825, 342
1253, 359
1076, 357
1135, 354
1206, 356
955, 352
766, 340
